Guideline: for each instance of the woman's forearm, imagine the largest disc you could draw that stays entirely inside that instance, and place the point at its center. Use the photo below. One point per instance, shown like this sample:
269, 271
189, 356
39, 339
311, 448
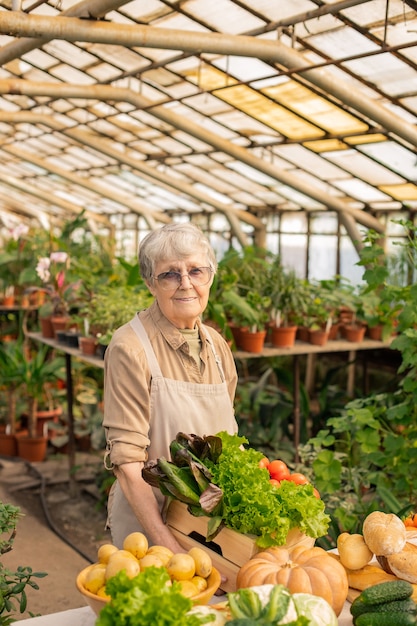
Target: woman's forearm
145, 506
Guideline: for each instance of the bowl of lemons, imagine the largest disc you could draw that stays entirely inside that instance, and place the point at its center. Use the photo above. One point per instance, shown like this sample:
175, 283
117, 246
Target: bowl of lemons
193, 570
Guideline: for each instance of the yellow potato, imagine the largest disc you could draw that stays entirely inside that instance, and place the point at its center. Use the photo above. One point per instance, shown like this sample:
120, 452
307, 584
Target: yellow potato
123, 554
136, 543
188, 589
150, 560
102, 593
95, 578
105, 551
129, 565
202, 560
181, 566
200, 583
161, 552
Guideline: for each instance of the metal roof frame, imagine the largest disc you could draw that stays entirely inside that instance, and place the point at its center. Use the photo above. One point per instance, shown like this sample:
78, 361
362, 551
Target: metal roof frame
294, 74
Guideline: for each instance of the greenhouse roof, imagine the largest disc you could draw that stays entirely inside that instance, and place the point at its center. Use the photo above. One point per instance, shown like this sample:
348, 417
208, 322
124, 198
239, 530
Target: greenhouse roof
244, 108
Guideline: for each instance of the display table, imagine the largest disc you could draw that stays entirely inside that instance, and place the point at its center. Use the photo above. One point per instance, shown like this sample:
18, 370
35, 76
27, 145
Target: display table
300, 349
310, 352
86, 617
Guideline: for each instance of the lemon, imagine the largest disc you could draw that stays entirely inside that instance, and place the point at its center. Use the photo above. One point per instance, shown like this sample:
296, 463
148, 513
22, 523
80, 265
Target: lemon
136, 543
95, 578
105, 551
150, 560
129, 565
181, 566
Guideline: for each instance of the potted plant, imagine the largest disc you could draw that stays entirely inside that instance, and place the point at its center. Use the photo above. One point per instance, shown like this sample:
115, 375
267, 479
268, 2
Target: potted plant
40, 369
320, 314
250, 315
110, 308
13, 584
18, 275
245, 300
287, 303
61, 288
88, 421
11, 374
380, 311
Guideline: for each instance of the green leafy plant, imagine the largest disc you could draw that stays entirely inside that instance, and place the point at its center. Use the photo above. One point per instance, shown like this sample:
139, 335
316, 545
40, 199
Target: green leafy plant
40, 367
13, 584
11, 373
112, 306
287, 293
366, 456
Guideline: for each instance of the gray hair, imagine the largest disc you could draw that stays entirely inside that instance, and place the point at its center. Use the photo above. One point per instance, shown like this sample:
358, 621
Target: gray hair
173, 241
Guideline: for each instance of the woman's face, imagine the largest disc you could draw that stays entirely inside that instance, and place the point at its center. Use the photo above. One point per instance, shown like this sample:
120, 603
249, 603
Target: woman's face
181, 304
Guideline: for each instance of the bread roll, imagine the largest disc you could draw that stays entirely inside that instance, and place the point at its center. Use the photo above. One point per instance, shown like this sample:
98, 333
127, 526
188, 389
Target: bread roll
353, 551
384, 533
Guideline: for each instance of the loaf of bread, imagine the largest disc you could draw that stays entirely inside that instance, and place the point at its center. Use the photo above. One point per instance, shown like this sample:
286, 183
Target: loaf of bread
404, 565
371, 575
384, 533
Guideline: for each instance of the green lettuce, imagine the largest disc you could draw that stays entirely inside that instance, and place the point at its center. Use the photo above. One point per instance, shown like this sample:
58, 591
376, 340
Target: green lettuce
251, 505
148, 599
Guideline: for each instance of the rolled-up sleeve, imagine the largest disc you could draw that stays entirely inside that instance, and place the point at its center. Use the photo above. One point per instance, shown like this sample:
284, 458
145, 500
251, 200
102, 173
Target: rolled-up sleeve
126, 401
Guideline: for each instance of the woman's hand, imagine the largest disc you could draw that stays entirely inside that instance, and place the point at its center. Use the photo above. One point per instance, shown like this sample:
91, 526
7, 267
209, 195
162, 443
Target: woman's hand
145, 506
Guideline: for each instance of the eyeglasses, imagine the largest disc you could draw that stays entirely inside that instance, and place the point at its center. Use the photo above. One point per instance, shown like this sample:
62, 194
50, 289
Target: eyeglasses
198, 276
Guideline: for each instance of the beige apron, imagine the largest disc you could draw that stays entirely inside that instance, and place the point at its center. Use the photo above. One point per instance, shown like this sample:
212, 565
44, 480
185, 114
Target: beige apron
175, 405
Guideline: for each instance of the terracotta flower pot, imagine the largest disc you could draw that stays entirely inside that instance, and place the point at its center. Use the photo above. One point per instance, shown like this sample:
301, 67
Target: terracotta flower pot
88, 345
8, 301
318, 337
252, 342
8, 445
375, 332
354, 332
303, 333
334, 332
59, 322
43, 417
283, 336
32, 449
47, 329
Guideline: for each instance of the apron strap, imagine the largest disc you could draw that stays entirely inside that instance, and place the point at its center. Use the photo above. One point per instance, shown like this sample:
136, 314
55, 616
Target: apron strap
216, 356
139, 329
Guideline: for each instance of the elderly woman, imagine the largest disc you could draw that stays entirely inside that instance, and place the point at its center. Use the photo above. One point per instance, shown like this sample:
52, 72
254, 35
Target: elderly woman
165, 372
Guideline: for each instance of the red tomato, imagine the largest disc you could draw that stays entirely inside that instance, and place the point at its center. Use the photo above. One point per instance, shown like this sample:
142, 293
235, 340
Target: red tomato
298, 479
316, 493
264, 462
274, 483
278, 470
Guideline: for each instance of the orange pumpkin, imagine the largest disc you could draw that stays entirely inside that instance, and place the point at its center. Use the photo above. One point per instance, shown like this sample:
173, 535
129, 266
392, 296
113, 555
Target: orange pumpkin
301, 570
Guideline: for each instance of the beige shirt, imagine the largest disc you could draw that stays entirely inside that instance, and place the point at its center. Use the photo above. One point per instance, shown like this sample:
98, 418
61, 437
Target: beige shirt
127, 379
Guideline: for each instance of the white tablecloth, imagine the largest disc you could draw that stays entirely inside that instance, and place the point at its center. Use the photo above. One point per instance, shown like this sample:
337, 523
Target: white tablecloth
86, 617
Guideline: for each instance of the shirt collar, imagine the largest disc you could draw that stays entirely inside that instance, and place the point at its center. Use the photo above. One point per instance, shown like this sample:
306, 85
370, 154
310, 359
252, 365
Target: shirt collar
171, 334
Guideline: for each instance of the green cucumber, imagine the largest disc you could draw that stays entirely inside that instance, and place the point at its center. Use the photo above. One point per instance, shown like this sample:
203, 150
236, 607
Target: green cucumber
386, 619
397, 606
385, 592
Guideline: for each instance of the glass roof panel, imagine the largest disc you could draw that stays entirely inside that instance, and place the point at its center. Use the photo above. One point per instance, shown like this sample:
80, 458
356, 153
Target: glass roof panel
213, 13
152, 148
273, 115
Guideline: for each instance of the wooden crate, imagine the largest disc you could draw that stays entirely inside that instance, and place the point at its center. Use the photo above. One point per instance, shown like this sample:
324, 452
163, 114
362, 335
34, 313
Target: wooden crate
229, 550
